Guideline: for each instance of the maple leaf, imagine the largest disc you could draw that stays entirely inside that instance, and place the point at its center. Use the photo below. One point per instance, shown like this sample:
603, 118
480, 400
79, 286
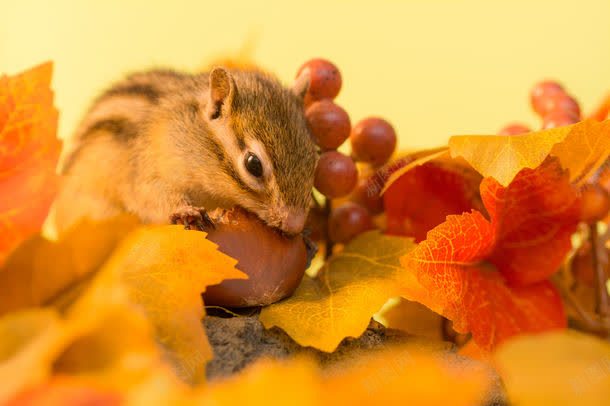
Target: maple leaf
340, 301
555, 368
29, 151
446, 187
489, 277
582, 148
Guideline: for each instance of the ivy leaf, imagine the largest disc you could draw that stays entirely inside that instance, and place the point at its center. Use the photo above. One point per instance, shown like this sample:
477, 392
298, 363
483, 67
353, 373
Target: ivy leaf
489, 277
29, 151
340, 301
582, 148
558, 368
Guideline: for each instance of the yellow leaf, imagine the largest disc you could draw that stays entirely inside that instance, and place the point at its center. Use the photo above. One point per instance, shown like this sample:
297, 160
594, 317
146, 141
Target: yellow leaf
407, 375
267, 382
165, 270
40, 270
561, 368
29, 342
581, 148
109, 343
147, 293
411, 317
398, 375
585, 149
340, 301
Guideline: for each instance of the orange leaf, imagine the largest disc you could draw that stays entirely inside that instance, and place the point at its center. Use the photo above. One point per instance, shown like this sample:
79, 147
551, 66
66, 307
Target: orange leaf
445, 187
29, 151
582, 148
454, 271
63, 391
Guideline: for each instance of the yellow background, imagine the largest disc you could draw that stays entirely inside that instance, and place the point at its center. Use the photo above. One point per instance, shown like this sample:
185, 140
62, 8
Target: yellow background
433, 68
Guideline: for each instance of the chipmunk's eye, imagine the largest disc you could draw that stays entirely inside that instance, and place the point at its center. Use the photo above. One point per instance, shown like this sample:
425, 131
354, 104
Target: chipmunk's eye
253, 165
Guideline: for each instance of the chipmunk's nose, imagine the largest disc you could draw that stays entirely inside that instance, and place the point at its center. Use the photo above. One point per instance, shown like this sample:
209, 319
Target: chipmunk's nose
294, 222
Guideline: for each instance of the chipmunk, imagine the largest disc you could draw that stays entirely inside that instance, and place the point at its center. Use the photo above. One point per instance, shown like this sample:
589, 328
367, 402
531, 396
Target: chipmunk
168, 147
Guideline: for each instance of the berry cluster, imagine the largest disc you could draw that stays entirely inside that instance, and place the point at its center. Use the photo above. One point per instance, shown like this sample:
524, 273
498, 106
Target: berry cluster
557, 108
553, 104
372, 140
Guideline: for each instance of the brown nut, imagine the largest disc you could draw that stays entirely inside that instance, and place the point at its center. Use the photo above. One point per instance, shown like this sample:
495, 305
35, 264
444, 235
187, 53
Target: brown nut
274, 263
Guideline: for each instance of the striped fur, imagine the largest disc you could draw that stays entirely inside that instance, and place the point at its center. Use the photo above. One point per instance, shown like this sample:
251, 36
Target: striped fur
149, 146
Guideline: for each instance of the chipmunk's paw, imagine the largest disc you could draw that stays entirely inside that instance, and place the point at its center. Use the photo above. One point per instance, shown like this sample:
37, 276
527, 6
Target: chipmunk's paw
310, 246
193, 218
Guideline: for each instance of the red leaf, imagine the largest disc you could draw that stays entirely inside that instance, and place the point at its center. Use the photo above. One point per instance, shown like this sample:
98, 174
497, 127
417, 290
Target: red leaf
534, 219
29, 151
455, 270
422, 198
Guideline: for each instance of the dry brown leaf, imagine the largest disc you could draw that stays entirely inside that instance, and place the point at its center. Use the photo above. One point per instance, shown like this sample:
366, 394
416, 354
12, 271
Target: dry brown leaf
351, 287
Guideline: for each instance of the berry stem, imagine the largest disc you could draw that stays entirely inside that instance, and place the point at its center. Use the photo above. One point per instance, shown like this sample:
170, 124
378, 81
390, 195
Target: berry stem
328, 252
600, 262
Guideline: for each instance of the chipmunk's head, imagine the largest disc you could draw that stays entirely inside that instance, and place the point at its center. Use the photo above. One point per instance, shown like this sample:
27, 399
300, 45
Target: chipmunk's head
262, 144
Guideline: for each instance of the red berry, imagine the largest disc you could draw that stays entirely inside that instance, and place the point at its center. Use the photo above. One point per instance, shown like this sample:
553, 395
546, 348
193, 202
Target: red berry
542, 91
559, 102
347, 221
514, 129
329, 124
373, 140
336, 174
558, 119
325, 80
366, 194
595, 203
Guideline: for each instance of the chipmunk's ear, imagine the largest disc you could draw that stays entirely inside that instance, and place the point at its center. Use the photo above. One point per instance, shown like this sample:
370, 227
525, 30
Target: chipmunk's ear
301, 84
222, 91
